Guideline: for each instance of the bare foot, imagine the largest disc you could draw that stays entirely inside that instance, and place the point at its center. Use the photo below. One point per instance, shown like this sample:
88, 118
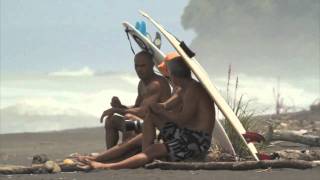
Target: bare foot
84, 167
84, 159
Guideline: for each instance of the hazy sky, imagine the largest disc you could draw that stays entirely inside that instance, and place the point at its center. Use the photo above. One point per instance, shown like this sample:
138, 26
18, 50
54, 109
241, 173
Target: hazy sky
258, 37
50, 35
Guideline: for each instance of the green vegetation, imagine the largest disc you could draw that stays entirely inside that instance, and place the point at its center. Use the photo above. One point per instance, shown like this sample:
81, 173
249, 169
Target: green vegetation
245, 115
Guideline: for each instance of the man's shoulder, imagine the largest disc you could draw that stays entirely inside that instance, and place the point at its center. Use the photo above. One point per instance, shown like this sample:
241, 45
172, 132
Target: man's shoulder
195, 84
158, 83
197, 87
160, 80
154, 85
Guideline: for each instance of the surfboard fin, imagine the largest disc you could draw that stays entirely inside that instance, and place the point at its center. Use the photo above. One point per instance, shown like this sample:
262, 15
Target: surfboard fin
253, 137
157, 40
264, 156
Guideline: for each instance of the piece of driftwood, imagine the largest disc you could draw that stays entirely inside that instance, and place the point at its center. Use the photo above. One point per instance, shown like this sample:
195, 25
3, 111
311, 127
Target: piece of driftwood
244, 165
40, 168
307, 155
240, 165
292, 136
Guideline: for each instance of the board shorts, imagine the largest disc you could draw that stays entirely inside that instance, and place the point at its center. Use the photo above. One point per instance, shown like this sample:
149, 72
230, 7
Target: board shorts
131, 125
183, 143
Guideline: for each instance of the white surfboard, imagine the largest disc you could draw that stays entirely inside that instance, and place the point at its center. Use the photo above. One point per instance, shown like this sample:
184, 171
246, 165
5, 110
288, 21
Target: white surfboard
144, 43
219, 134
203, 77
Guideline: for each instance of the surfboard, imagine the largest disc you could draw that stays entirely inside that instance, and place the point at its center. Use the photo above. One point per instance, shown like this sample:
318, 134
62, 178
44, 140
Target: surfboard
203, 77
144, 42
219, 134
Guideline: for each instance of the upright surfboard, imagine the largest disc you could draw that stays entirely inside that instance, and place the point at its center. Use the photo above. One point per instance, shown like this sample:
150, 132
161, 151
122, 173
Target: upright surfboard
203, 77
219, 133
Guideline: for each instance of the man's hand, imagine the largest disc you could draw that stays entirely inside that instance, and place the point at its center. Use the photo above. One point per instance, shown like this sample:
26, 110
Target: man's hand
177, 90
115, 102
108, 113
157, 108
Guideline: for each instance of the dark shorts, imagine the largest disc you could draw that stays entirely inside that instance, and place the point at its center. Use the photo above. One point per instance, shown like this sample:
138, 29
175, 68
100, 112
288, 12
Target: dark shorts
131, 125
183, 143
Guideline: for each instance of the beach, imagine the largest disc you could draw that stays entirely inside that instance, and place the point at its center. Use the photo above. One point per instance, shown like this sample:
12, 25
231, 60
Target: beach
18, 149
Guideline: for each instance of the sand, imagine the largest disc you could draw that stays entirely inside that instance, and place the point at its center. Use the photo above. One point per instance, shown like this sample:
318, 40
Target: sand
18, 149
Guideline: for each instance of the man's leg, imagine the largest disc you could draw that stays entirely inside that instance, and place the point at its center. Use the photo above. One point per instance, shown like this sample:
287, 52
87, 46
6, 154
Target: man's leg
152, 152
113, 125
126, 136
149, 131
120, 149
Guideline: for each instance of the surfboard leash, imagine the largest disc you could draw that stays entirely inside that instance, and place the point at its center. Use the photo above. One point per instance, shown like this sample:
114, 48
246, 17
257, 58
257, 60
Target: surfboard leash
127, 32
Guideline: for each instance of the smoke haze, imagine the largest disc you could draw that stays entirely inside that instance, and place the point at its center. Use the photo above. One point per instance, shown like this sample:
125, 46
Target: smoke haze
258, 37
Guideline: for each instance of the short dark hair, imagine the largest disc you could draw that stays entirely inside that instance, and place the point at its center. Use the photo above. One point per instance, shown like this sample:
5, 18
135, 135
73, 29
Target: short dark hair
146, 54
179, 68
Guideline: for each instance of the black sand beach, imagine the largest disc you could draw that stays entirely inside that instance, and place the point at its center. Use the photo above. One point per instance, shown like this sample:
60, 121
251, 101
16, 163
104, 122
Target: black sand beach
18, 149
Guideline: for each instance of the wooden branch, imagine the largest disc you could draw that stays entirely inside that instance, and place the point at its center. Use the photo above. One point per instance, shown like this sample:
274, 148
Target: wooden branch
292, 136
245, 165
40, 169
307, 155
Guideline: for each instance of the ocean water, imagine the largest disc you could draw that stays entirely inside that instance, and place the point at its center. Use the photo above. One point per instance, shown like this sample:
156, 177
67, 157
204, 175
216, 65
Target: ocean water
60, 100
67, 100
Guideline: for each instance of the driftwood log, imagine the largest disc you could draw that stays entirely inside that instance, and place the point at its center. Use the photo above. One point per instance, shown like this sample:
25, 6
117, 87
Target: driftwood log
244, 165
39, 169
292, 136
307, 155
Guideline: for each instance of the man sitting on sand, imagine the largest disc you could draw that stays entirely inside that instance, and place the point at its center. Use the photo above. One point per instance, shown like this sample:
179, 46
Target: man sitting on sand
185, 127
152, 88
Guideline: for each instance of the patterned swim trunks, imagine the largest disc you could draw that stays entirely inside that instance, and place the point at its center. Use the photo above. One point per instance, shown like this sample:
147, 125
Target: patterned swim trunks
183, 143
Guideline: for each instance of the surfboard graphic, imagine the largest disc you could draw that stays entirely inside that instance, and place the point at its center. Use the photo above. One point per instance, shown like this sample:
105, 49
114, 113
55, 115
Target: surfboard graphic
145, 43
203, 77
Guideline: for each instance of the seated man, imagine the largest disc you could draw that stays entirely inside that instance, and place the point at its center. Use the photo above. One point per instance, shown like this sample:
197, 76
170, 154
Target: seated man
152, 88
185, 127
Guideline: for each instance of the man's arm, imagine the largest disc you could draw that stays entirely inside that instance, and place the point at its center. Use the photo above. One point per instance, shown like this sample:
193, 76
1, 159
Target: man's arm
152, 96
116, 103
119, 105
189, 108
174, 100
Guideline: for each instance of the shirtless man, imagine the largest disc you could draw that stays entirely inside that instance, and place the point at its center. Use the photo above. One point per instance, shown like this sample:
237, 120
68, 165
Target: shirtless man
186, 123
151, 89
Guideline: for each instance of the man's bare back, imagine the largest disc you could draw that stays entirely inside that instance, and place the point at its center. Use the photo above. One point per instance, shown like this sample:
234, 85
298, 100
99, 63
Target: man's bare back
202, 119
194, 111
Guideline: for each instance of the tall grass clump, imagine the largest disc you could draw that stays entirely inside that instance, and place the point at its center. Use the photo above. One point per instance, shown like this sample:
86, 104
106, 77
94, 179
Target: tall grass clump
246, 116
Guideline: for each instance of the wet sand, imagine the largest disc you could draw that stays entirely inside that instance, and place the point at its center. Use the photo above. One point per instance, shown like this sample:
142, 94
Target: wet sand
18, 149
